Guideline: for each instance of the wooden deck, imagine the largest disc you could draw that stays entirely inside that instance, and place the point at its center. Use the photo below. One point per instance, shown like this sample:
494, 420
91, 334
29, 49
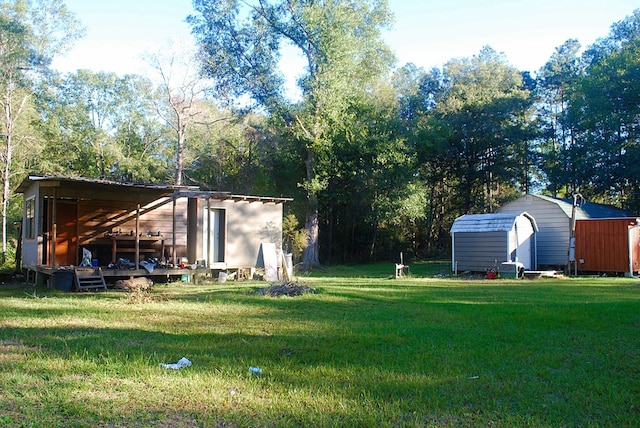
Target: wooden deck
44, 275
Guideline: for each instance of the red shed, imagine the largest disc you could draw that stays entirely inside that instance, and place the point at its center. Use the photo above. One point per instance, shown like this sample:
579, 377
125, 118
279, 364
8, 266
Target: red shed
610, 245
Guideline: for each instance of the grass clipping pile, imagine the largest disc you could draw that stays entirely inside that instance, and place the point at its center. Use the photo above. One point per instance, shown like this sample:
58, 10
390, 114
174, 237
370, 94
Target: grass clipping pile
290, 289
139, 290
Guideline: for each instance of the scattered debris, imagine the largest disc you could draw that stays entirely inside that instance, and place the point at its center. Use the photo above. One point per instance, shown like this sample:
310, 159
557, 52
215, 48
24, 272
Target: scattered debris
290, 289
139, 290
182, 362
255, 370
134, 284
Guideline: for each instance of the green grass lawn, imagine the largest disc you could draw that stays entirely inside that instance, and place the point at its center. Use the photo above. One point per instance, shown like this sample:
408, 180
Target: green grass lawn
365, 350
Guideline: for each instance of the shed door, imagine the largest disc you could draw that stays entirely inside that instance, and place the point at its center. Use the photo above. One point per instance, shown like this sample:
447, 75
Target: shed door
524, 234
215, 228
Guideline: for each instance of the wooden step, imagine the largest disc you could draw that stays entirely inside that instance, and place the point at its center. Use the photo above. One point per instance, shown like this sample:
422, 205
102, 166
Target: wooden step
89, 278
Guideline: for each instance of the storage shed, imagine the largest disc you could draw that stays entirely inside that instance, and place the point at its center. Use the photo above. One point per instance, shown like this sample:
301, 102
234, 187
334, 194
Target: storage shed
484, 241
553, 217
609, 245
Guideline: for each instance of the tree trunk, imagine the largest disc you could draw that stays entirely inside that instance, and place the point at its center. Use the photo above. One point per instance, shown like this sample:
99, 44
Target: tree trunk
179, 159
10, 116
6, 192
310, 255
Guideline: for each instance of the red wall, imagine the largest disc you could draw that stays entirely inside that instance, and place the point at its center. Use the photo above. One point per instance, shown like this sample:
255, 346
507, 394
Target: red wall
602, 245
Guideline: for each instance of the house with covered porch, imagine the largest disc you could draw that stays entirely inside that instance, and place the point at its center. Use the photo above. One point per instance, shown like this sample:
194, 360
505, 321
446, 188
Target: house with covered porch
135, 229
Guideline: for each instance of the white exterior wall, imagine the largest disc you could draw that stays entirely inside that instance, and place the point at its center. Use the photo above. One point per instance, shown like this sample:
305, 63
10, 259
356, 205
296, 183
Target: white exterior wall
30, 248
524, 239
248, 225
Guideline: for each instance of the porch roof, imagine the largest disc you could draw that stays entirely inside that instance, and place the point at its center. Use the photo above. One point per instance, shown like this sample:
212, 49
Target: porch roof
90, 188
227, 196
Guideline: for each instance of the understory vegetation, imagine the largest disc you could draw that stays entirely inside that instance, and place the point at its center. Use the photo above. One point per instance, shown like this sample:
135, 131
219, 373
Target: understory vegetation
365, 349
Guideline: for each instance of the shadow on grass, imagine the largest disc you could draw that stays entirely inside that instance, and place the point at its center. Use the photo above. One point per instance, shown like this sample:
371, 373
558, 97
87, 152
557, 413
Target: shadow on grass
405, 354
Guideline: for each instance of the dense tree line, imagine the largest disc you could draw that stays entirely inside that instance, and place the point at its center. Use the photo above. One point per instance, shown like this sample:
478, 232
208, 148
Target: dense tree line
379, 158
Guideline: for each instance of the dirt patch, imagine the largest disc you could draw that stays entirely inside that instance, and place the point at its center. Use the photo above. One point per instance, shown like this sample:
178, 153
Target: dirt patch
290, 289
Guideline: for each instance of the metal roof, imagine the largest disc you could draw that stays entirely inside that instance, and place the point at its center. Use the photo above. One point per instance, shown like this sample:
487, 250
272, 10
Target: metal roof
227, 196
585, 209
59, 179
90, 188
496, 222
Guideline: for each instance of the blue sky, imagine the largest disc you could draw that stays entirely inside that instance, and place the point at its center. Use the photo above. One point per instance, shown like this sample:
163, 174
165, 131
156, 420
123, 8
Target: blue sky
427, 33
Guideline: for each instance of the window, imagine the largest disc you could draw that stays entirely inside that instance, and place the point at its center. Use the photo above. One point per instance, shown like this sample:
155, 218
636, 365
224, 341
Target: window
30, 218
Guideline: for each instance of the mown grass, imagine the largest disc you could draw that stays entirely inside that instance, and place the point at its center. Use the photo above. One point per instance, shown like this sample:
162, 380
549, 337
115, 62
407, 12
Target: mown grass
365, 350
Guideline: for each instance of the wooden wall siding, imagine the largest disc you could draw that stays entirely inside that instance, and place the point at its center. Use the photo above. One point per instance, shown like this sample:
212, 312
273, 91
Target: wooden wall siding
162, 219
95, 218
66, 240
479, 251
603, 245
635, 249
552, 239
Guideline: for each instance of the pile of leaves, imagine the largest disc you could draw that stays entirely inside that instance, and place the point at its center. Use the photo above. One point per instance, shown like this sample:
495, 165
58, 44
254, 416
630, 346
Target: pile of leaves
290, 289
134, 284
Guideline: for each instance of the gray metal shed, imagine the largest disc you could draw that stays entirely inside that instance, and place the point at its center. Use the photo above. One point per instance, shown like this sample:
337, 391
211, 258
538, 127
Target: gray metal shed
484, 241
553, 217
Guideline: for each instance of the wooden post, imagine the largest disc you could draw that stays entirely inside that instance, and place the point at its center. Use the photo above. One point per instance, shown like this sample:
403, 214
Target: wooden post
54, 230
77, 256
137, 235
173, 235
19, 249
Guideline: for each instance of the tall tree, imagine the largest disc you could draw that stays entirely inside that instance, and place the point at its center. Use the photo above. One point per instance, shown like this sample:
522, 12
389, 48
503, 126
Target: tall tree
101, 125
482, 109
32, 33
181, 90
419, 92
557, 79
605, 107
372, 183
143, 143
235, 154
342, 45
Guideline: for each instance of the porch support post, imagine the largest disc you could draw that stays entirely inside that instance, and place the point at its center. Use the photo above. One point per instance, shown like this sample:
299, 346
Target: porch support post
173, 234
54, 229
137, 236
77, 257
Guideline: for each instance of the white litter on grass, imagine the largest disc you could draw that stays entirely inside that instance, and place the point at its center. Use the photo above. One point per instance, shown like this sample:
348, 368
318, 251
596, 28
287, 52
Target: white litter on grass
182, 362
